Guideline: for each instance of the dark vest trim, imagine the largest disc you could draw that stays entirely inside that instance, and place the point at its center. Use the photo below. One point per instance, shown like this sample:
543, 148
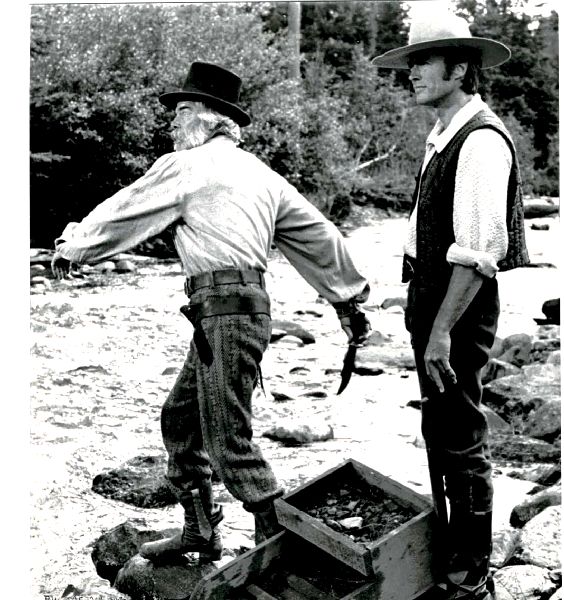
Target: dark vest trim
435, 231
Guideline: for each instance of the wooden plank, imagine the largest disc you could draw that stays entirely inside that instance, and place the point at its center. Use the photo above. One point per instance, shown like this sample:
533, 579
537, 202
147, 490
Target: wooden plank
399, 492
326, 480
401, 560
258, 593
307, 589
316, 532
373, 591
235, 574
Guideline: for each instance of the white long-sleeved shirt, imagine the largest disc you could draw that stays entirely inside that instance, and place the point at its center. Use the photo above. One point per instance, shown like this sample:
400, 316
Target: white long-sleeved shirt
480, 195
228, 209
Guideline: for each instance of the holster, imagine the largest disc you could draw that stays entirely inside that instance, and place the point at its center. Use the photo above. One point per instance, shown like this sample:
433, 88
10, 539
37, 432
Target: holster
216, 306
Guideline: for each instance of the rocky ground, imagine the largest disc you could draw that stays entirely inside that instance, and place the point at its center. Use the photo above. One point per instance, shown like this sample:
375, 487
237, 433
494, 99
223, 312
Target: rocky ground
106, 349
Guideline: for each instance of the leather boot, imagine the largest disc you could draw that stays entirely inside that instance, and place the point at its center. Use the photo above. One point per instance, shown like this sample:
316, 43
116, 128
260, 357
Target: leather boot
266, 524
199, 534
470, 548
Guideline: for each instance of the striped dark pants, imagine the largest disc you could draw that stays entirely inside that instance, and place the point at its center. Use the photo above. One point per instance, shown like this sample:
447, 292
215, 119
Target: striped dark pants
206, 419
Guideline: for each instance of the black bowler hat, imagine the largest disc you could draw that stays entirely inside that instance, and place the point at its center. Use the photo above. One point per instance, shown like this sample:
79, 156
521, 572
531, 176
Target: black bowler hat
213, 85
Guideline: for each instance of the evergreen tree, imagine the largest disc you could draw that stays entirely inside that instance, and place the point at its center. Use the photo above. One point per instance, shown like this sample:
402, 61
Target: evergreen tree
526, 86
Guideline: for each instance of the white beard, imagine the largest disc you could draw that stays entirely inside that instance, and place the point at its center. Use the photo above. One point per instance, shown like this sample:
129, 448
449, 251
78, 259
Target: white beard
186, 140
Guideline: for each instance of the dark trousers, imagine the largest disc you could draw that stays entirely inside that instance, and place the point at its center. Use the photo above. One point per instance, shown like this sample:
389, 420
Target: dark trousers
453, 424
207, 418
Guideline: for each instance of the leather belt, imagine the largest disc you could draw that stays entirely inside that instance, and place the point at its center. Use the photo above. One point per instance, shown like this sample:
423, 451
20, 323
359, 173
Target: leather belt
223, 277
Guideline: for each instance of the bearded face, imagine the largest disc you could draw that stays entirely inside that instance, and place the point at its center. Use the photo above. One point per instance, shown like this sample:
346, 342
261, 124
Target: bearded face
187, 129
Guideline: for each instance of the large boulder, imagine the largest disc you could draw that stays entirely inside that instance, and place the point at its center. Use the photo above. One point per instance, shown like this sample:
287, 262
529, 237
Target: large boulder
495, 422
543, 348
143, 580
496, 368
140, 481
523, 582
544, 474
545, 423
535, 504
504, 544
534, 208
520, 449
540, 540
516, 396
114, 548
516, 349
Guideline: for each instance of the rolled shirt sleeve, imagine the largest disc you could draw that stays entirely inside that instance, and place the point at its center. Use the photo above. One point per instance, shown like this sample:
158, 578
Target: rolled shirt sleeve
132, 215
480, 202
316, 249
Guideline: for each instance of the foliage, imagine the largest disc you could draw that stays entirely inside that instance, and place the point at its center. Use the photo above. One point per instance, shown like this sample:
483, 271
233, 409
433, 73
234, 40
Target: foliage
526, 86
344, 132
96, 73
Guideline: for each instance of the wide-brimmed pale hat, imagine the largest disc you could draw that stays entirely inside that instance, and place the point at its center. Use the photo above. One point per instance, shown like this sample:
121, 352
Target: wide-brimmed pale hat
213, 85
446, 31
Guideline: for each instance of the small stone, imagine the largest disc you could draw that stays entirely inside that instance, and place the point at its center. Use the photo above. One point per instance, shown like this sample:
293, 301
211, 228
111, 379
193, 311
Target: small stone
282, 396
124, 266
105, 267
39, 280
315, 394
351, 522
400, 301
276, 334
37, 269
295, 330
298, 434
170, 371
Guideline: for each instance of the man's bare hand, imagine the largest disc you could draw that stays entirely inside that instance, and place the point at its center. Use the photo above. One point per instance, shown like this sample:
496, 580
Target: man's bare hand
357, 327
437, 360
61, 267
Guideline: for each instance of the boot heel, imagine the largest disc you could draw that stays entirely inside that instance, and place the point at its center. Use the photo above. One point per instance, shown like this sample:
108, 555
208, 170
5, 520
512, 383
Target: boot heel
214, 549
208, 556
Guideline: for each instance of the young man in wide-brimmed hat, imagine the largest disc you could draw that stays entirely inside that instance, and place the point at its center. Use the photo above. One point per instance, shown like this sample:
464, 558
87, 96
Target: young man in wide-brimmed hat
227, 209
466, 225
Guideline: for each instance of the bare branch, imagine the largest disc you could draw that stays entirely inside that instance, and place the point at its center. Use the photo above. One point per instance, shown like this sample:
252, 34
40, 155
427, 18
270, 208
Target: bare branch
377, 159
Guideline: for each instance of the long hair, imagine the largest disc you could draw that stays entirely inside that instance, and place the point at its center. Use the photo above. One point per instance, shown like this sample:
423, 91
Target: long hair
210, 123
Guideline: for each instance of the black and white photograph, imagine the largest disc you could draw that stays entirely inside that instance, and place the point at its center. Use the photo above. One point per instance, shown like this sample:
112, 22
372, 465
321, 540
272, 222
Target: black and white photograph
294, 301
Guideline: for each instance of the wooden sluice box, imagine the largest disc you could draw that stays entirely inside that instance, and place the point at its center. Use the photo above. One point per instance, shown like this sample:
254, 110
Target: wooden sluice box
387, 558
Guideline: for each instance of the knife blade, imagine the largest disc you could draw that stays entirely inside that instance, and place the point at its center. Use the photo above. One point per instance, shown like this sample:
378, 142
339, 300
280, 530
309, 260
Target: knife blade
348, 367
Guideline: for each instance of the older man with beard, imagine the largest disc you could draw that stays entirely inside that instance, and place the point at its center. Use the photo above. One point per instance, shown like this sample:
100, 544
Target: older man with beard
226, 208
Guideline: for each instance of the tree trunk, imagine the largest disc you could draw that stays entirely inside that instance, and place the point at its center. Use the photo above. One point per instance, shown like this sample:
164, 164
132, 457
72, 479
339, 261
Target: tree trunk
294, 25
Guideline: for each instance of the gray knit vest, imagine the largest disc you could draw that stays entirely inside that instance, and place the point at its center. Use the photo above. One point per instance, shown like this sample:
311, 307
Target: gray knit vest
435, 231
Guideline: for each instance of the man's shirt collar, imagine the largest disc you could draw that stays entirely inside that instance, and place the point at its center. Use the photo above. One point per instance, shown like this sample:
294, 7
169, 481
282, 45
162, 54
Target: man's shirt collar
440, 137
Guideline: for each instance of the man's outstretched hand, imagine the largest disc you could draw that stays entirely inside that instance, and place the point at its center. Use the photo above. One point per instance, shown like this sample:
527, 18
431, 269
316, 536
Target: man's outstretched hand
61, 267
